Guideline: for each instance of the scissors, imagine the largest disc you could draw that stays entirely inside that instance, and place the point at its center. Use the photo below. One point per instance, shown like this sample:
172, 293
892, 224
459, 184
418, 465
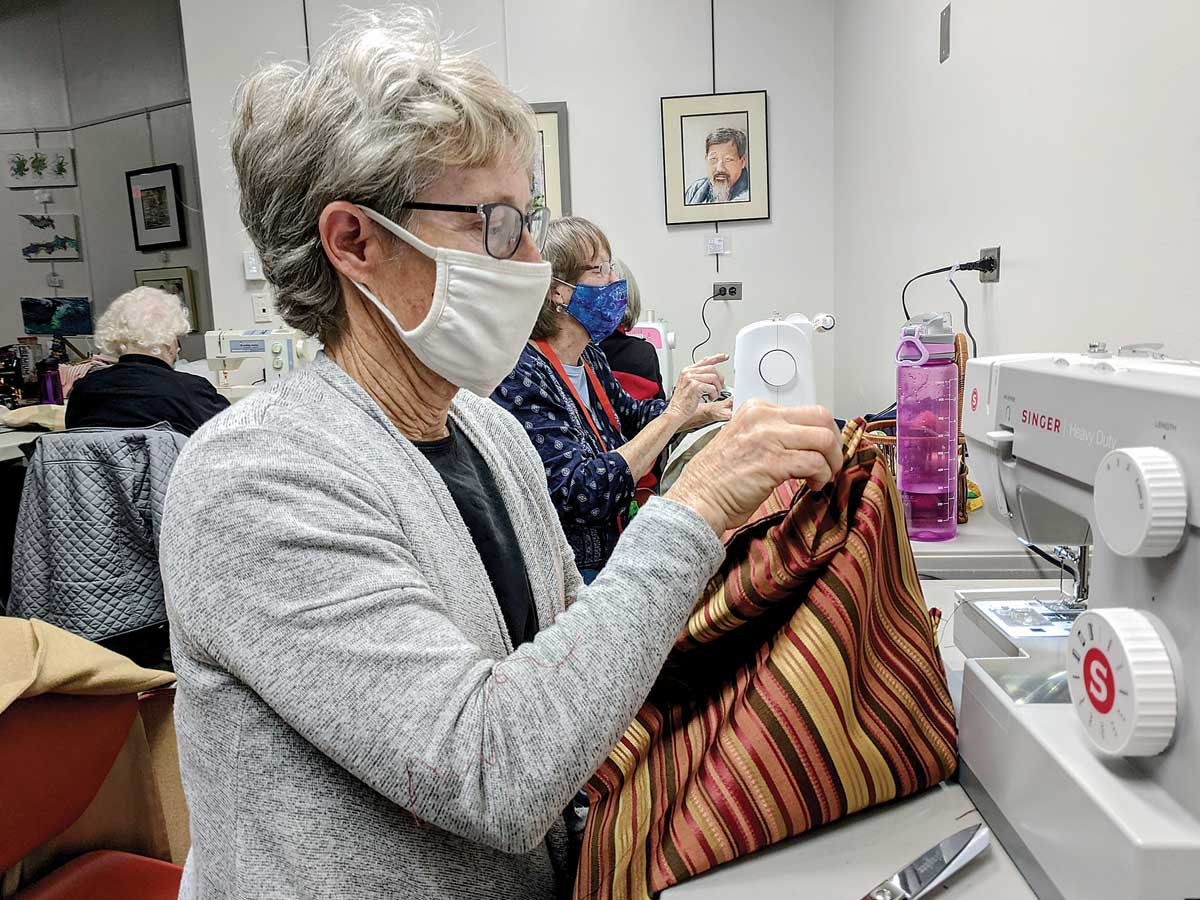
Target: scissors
934, 866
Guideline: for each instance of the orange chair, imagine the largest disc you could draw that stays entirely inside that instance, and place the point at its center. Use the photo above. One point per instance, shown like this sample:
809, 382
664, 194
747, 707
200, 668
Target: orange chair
55, 752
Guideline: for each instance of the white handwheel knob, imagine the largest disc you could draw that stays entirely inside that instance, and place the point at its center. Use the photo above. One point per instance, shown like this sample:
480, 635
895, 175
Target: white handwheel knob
777, 368
1140, 499
1122, 682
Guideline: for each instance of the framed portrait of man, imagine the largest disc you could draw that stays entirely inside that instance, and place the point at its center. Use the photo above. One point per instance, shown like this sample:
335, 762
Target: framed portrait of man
715, 157
551, 182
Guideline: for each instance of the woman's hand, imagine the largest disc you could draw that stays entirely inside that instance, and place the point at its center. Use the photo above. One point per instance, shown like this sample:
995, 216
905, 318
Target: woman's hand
761, 447
707, 414
698, 384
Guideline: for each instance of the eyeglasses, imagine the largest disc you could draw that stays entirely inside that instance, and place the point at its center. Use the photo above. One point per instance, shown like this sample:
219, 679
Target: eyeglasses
606, 268
727, 160
503, 224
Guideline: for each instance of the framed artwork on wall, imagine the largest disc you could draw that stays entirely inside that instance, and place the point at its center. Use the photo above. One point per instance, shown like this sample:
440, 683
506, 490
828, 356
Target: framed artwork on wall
551, 185
47, 237
176, 280
156, 207
39, 167
57, 315
715, 157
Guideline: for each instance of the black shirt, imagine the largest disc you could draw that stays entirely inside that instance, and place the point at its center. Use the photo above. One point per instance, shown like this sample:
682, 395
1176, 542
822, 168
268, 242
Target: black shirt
470, 483
632, 355
140, 391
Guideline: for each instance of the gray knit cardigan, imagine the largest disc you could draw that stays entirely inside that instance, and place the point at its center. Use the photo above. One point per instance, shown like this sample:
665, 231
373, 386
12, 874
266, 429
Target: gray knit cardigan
353, 721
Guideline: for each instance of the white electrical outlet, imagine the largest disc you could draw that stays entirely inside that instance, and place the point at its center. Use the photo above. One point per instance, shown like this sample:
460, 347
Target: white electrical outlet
261, 301
54, 280
43, 197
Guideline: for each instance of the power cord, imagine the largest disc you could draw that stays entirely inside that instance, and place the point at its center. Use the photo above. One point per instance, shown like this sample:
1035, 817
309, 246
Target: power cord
703, 310
975, 265
966, 317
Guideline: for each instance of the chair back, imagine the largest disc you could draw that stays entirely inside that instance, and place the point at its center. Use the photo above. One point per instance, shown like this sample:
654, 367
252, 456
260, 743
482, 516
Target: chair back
55, 752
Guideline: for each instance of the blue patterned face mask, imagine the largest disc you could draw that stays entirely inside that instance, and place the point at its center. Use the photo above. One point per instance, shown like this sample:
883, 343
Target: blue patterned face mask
598, 308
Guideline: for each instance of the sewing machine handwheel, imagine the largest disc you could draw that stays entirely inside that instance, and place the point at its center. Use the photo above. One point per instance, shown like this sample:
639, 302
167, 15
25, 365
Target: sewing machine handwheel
1122, 681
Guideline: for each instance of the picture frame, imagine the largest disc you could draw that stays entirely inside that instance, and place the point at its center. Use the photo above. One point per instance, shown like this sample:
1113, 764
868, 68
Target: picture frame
156, 207
175, 280
48, 237
39, 167
551, 183
707, 178
57, 315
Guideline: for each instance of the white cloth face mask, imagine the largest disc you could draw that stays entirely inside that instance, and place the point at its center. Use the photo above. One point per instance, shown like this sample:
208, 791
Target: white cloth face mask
482, 313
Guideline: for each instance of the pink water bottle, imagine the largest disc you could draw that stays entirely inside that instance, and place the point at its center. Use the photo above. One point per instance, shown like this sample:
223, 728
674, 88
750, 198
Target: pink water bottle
927, 427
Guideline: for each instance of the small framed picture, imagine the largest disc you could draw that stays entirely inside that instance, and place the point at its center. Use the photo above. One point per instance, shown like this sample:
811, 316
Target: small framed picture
715, 159
49, 237
39, 167
177, 281
57, 315
551, 160
156, 207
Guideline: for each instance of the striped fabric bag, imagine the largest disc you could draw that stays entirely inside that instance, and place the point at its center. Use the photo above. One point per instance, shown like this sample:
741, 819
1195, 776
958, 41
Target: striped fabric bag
806, 686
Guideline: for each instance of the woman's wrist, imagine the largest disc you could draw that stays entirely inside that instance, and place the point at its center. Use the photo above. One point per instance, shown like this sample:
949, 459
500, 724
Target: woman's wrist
686, 495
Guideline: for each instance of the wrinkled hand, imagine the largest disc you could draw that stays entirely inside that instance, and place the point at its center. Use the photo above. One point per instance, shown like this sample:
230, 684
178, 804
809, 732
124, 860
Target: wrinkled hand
698, 384
708, 413
761, 447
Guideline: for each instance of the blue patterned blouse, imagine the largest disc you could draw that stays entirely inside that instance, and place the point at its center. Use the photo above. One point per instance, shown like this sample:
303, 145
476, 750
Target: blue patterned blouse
590, 488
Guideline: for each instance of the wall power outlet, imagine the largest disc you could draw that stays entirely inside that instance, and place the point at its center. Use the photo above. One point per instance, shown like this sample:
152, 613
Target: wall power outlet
727, 290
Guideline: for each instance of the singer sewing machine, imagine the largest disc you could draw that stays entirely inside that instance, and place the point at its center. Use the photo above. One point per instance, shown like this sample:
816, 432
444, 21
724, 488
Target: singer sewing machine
1080, 715
276, 353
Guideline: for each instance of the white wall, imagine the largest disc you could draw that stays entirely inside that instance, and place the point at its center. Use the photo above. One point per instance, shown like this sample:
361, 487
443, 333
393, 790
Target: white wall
77, 61
225, 40
610, 63
1066, 132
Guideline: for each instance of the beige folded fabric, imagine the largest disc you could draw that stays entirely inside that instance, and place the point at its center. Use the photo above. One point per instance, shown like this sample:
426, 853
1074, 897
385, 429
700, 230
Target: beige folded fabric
37, 658
50, 416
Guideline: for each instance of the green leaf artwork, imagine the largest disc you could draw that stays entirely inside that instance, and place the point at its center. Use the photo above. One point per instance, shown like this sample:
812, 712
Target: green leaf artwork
39, 164
60, 165
18, 165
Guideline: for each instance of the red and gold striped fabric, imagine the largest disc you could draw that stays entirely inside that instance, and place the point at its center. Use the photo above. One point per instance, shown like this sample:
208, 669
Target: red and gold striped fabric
805, 686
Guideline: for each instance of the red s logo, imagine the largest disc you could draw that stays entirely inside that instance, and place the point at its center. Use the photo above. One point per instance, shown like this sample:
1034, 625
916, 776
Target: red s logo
974, 399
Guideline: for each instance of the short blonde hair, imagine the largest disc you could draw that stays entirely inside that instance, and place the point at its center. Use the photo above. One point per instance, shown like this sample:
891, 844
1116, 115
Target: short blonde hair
572, 242
145, 320
633, 307
384, 109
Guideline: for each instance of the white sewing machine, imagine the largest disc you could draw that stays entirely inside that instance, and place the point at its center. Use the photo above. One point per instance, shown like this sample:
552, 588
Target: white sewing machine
1080, 730
655, 331
276, 353
773, 360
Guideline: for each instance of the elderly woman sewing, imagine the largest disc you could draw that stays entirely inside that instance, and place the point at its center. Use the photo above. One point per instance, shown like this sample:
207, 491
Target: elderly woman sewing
141, 329
391, 680
574, 410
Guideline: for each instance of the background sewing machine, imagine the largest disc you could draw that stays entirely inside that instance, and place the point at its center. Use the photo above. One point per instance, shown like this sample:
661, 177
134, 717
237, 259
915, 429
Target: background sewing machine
1080, 730
276, 353
655, 331
773, 360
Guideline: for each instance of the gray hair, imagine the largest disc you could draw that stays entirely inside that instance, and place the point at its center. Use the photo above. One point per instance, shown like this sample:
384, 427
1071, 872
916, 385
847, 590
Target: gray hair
385, 108
145, 320
724, 136
633, 309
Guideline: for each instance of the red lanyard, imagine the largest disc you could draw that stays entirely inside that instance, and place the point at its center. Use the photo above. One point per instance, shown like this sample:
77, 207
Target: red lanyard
597, 389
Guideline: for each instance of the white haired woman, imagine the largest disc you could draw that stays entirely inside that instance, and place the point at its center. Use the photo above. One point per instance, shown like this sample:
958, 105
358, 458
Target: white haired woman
141, 330
391, 681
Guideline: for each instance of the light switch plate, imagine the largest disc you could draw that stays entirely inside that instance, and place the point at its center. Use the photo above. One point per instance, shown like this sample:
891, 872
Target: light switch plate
252, 266
54, 280
263, 312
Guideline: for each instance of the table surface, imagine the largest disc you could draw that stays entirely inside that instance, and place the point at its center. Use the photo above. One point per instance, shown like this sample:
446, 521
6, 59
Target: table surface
11, 441
983, 548
845, 860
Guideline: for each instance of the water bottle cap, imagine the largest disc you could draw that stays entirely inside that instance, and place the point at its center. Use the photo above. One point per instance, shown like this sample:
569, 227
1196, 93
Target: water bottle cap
924, 337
